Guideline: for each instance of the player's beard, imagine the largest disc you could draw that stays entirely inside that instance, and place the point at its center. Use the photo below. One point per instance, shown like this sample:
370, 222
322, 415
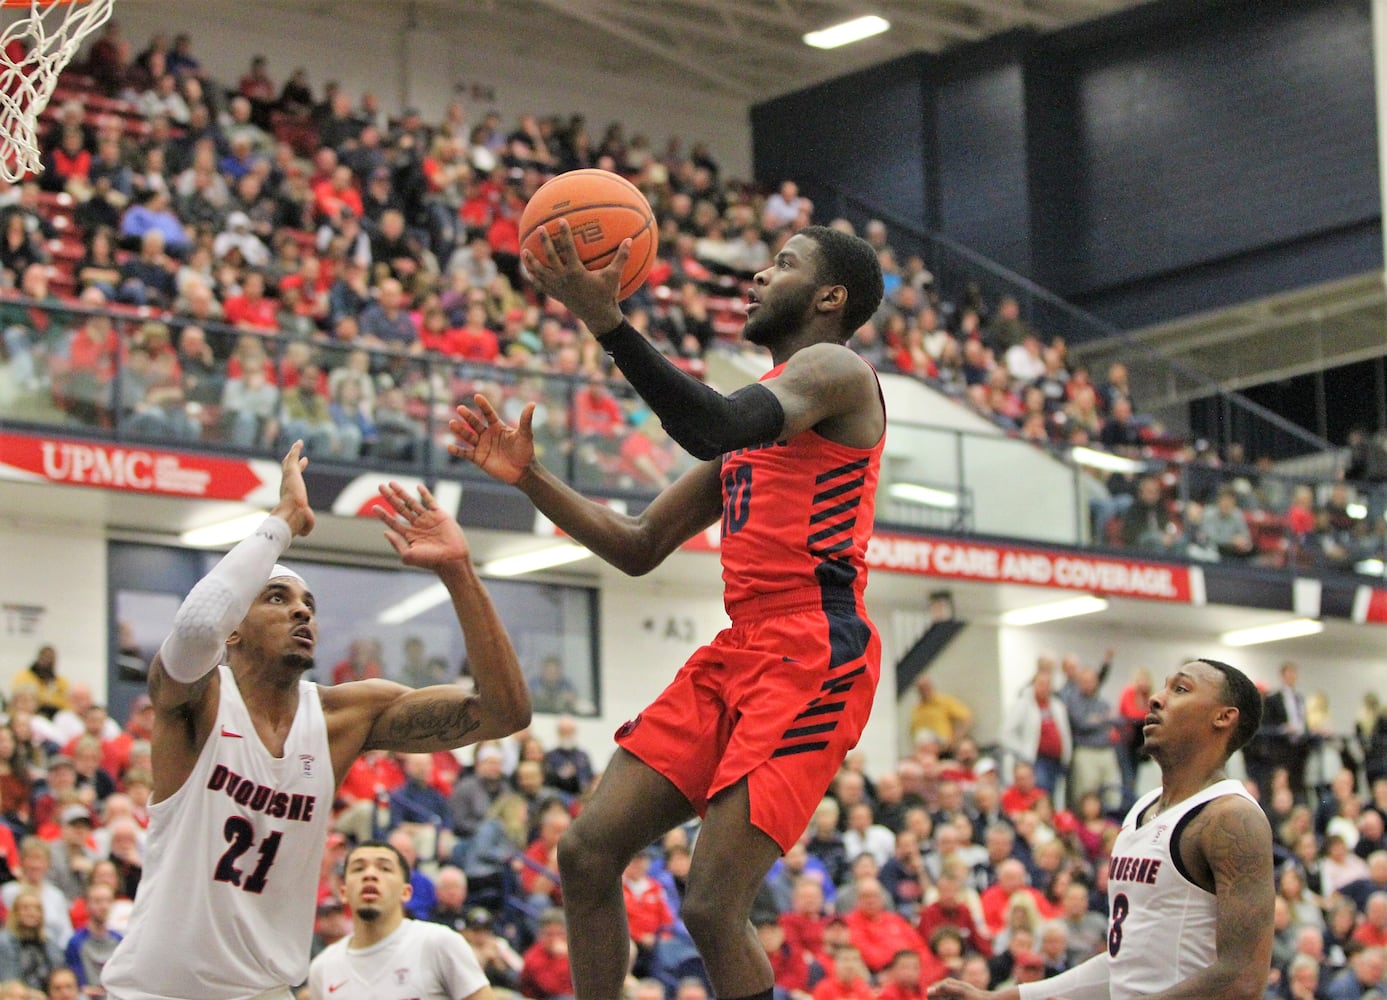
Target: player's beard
302, 662
778, 319
368, 913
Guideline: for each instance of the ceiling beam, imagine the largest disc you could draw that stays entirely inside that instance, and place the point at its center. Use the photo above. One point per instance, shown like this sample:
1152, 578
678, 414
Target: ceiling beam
916, 20
713, 33
695, 67
786, 18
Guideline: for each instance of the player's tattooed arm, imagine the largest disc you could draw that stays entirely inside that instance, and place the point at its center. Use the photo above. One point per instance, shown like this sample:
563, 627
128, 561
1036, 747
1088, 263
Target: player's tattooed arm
1234, 844
426, 720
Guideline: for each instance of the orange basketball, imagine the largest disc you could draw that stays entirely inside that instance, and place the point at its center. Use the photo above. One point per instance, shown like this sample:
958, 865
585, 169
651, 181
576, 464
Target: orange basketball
602, 209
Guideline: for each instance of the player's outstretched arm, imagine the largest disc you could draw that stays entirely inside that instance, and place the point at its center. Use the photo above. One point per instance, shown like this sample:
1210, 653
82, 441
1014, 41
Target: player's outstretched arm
427, 537
1086, 981
1234, 840
634, 544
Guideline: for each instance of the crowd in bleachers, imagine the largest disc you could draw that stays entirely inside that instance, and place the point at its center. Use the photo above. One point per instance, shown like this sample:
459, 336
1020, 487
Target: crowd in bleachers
970, 857
249, 264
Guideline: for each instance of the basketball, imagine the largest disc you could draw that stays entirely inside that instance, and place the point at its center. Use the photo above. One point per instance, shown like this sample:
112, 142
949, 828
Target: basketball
602, 209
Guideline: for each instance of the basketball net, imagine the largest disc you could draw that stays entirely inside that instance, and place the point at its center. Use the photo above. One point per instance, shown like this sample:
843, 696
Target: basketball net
52, 32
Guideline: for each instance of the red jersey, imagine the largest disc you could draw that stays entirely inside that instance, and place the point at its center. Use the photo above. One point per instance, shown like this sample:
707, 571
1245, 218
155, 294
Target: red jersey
797, 514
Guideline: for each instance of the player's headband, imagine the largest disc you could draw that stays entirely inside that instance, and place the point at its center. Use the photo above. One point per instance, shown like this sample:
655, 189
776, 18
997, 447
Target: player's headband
281, 570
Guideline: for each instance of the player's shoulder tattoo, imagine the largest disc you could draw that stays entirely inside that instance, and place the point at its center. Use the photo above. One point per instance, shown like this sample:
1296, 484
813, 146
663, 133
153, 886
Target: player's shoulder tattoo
1236, 840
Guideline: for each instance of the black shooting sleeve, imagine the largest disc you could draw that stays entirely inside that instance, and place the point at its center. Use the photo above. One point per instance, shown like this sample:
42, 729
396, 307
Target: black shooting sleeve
702, 420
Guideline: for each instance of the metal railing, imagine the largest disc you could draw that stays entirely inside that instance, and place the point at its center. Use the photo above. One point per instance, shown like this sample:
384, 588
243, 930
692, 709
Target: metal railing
122, 376
1230, 417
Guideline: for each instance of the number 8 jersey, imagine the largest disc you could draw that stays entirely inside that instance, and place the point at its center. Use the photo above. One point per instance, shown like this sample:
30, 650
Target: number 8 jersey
226, 903
1161, 925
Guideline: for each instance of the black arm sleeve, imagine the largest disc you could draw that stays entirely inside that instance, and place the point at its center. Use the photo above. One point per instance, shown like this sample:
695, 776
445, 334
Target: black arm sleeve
702, 420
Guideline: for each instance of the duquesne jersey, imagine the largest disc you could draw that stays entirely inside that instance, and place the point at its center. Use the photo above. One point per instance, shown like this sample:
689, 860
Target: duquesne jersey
419, 961
1161, 925
797, 513
225, 907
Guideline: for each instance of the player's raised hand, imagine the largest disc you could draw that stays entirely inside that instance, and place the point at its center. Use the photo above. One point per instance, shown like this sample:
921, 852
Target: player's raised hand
418, 530
293, 495
492, 445
589, 295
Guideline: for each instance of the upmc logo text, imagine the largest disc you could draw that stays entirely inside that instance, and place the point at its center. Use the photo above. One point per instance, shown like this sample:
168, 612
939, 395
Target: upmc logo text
69, 462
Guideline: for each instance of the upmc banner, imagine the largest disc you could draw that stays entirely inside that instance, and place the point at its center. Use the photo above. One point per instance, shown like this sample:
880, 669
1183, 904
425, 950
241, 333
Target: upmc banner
137, 469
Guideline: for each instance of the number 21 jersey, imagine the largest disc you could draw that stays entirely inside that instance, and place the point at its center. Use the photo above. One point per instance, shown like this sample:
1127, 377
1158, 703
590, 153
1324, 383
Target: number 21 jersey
226, 903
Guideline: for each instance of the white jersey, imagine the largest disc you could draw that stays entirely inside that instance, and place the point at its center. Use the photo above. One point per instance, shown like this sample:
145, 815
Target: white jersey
226, 904
419, 961
1161, 925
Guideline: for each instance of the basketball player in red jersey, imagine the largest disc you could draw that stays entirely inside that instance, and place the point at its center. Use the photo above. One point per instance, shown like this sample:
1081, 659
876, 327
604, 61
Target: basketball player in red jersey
755, 725
1190, 888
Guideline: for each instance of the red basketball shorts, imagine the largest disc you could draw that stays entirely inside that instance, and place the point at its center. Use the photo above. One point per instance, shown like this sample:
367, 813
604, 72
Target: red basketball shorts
779, 698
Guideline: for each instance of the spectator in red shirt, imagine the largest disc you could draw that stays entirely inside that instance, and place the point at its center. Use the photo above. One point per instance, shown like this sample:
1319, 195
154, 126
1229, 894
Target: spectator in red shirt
805, 921
337, 195
542, 889
362, 662
877, 932
903, 979
374, 773
436, 335
1371, 931
256, 85
950, 910
597, 415
796, 971
996, 898
1023, 793
91, 358
68, 166
545, 974
475, 340
251, 308
647, 910
1300, 516
849, 978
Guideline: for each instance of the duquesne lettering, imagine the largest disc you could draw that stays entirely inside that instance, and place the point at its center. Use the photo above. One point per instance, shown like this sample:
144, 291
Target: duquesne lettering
1130, 869
261, 798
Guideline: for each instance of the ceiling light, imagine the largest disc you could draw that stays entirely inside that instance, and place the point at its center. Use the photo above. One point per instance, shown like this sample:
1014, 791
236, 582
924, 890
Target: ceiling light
226, 532
1293, 629
1105, 460
1055, 610
1357, 511
531, 562
847, 32
414, 605
923, 495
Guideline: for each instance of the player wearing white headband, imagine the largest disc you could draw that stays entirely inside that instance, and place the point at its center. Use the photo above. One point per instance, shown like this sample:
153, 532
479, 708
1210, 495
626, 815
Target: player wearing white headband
248, 754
